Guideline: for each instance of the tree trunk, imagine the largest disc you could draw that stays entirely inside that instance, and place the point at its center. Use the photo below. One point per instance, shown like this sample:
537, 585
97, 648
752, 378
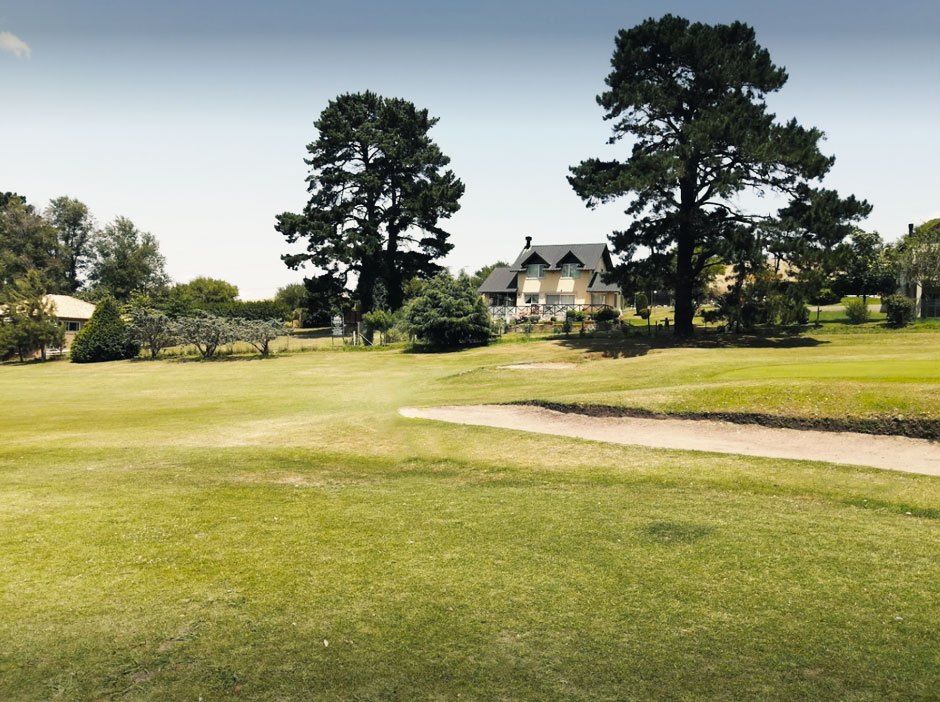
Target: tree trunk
392, 273
685, 249
685, 284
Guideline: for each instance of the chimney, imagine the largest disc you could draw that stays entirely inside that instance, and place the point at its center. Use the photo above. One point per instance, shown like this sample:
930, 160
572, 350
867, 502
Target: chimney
910, 230
528, 241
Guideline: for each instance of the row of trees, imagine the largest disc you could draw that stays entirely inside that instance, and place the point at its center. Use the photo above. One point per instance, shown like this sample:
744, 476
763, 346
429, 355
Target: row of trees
108, 336
64, 245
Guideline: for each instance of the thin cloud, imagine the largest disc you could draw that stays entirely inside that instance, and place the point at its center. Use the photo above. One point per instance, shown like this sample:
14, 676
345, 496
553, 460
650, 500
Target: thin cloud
16, 46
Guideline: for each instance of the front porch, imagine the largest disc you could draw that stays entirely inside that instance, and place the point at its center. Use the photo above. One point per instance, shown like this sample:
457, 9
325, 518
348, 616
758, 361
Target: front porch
542, 311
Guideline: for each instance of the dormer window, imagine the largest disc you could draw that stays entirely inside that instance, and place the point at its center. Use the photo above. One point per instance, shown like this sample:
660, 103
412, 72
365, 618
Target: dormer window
570, 270
535, 270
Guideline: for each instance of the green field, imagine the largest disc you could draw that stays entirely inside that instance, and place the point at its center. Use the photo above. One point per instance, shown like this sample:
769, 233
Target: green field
273, 530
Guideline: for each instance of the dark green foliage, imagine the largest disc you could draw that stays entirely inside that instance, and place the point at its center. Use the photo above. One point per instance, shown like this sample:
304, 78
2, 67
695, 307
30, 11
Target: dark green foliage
377, 191
105, 338
378, 321
691, 99
75, 228
606, 315
857, 311
29, 243
203, 290
449, 313
761, 298
640, 301
301, 305
27, 320
900, 310
127, 260
867, 267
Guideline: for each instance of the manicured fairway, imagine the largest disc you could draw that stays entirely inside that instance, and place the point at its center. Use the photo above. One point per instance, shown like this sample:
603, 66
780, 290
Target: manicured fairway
273, 530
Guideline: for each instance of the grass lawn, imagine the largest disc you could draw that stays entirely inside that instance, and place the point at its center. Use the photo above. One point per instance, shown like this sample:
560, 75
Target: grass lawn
273, 530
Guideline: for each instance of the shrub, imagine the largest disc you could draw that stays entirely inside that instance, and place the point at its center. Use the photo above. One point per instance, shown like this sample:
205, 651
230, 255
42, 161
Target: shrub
259, 333
899, 309
105, 337
644, 313
857, 311
151, 329
207, 332
449, 312
642, 303
606, 315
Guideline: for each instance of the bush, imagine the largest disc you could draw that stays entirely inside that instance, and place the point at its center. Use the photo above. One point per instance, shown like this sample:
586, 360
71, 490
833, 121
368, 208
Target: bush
642, 303
151, 329
207, 332
259, 333
606, 315
899, 309
644, 312
105, 337
449, 312
857, 311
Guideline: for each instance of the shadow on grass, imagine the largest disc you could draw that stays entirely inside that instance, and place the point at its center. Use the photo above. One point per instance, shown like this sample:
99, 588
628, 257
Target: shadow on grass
419, 348
633, 346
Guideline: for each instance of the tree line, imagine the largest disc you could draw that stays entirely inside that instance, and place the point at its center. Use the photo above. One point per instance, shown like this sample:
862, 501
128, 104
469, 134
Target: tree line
688, 100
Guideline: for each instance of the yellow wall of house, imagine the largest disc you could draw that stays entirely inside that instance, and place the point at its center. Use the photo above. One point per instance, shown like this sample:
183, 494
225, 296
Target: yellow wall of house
554, 284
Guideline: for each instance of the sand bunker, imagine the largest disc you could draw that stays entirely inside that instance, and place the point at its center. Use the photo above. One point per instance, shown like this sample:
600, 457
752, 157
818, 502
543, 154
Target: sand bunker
888, 452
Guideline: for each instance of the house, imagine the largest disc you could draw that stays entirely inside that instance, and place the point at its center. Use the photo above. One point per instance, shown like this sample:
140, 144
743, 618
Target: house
549, 279
926, 295
72, 313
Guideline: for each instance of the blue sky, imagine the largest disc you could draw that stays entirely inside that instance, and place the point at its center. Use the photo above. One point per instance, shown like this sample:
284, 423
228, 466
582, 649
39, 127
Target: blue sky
191, 118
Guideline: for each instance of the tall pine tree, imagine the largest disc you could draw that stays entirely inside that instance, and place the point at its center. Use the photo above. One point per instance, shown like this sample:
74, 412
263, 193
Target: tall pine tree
378, 189
691, 99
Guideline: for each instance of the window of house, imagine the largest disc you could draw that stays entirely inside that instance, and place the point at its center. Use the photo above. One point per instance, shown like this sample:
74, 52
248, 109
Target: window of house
559, 299
73, 326
531, 298
598, 298
535, 270
570, 270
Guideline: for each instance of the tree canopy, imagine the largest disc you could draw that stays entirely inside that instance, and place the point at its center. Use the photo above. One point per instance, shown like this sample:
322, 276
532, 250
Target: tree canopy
126, 261
691, 97
75, 228
378, 189
28, 243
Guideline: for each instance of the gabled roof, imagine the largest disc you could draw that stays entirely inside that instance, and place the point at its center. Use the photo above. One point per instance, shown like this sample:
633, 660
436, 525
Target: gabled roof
500, 280
68, 307
598, 285
554, 254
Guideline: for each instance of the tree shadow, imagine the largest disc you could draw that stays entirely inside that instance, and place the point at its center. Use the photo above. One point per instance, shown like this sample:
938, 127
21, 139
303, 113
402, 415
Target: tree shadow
633, 346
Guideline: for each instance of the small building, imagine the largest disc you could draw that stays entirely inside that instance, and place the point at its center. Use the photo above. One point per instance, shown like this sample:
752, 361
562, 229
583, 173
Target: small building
547, 280
72, 313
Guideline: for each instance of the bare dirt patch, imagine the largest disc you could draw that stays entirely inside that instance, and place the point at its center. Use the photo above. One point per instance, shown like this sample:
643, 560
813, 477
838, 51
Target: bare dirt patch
849, 448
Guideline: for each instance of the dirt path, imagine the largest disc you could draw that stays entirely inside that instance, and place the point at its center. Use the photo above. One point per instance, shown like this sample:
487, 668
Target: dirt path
889, 452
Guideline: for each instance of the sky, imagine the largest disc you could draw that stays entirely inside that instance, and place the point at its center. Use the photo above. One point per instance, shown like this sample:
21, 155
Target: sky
192, 118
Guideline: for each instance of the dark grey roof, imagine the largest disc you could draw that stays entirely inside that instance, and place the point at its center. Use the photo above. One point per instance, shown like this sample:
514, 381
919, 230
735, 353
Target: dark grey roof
555, 254
500, 279
597, 285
